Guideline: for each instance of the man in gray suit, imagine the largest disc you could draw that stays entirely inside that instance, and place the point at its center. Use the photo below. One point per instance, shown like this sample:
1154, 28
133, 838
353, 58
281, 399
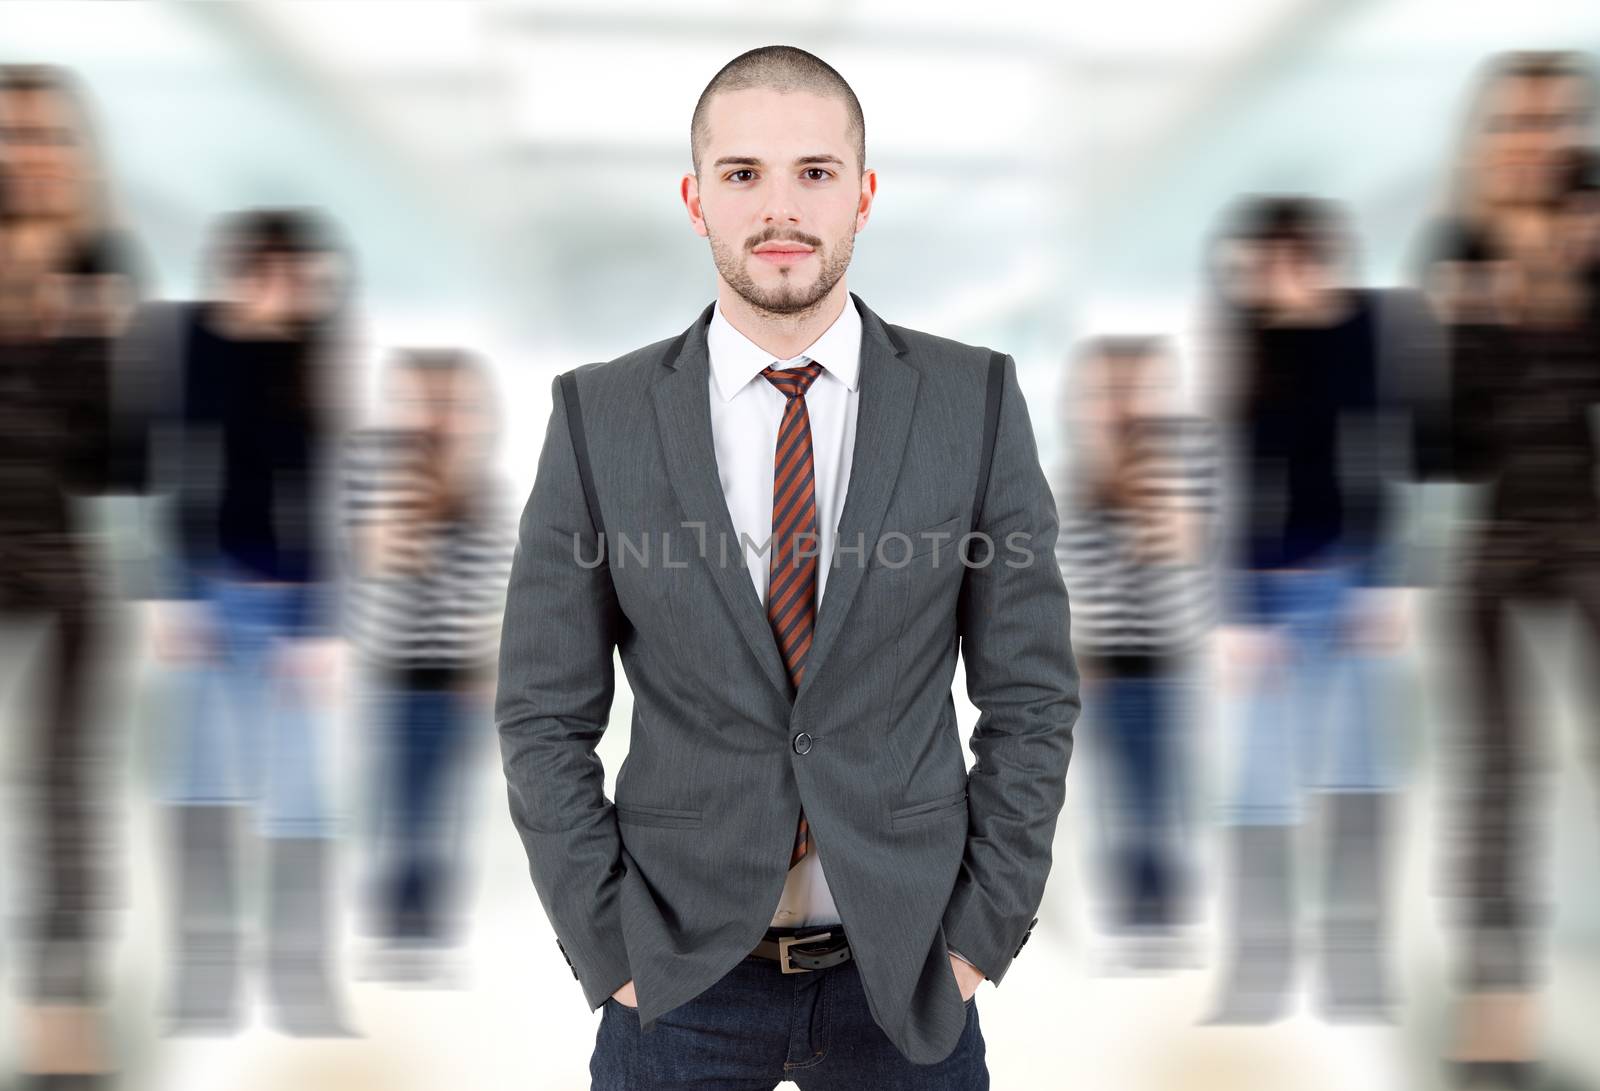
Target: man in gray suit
771, 516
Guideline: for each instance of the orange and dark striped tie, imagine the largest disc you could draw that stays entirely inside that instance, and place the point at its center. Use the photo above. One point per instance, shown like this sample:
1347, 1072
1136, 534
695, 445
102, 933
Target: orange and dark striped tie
792, 562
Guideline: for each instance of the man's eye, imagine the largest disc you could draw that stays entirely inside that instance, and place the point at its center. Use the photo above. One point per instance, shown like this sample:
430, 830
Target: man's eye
818, 171
735, 175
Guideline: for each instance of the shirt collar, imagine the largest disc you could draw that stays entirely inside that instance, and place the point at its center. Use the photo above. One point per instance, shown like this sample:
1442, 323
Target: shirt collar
736, 360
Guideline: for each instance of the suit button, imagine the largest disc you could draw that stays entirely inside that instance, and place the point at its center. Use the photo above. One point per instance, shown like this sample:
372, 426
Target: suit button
1025, 936
802, 743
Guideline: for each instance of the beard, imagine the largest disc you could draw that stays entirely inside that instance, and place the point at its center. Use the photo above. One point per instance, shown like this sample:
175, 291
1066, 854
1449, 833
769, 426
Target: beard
789, 297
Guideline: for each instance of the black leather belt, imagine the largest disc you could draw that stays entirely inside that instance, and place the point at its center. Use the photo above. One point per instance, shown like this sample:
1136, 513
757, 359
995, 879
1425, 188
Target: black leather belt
800, 950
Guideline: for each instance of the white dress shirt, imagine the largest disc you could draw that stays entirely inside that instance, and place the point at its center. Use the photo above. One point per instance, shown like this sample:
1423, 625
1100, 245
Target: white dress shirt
745, 412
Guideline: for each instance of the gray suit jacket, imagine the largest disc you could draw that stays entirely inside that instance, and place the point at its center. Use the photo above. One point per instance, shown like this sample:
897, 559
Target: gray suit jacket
677, 880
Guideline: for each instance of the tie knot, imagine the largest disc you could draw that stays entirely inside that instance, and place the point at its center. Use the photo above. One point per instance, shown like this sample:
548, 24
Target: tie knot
792, 382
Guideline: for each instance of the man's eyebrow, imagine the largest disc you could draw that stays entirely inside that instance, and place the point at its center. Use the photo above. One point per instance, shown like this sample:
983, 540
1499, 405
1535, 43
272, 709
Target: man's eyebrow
755, 161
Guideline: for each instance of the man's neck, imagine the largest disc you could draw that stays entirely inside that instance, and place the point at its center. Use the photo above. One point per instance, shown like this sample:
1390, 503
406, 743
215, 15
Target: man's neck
783, 335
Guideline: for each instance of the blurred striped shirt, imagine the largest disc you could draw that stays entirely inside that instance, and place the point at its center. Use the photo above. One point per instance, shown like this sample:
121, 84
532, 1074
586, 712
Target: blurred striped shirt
1135, 588
440, 600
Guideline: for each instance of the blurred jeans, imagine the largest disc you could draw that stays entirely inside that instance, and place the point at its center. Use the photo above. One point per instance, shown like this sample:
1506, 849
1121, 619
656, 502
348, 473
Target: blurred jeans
1314, 720
247, 732
427, 732
1504, 761
1140, 717
758, 1025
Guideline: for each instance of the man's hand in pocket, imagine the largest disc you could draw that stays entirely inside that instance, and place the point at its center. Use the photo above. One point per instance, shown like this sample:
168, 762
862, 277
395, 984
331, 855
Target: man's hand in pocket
968, 977
625, 995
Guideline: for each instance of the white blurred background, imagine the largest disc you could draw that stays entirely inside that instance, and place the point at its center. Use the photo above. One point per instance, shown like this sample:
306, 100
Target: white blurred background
507, 174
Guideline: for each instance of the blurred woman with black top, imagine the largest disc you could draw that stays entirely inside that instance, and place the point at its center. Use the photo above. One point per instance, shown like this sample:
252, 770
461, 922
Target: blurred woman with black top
242, 430
1310, 610
68, 280
1512, 270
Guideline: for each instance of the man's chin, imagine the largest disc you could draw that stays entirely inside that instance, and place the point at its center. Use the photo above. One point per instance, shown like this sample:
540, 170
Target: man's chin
788, 301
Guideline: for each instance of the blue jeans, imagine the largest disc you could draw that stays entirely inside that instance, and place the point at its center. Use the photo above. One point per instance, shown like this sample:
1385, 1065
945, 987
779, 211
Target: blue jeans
427, 735
247, 733
1139, 717
1316, 720
758, 1026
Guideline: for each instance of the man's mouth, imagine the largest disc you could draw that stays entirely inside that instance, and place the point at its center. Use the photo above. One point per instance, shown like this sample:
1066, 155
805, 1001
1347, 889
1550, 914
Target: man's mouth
783, 253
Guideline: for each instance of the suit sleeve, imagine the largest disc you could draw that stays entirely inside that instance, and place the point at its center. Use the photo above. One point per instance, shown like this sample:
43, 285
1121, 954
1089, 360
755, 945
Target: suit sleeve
553, 699
1022, 677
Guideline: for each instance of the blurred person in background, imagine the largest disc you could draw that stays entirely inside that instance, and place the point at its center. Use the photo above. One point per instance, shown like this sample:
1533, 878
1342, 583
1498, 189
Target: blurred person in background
1136, 550
429, 538
69, 278
242, 406
1511, 268
1310, 611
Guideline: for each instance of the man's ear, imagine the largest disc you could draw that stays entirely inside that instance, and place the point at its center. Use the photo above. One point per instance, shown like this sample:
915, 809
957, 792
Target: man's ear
689, 190
869, 192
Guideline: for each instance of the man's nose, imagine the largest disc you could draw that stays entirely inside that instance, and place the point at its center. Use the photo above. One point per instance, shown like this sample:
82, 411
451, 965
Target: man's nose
781, 206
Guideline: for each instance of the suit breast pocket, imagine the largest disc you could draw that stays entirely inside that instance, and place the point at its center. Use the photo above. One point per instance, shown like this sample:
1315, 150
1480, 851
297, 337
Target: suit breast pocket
932, 810
898, 548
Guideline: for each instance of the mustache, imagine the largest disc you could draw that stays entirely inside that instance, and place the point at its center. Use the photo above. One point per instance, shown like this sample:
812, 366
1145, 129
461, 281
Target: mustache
783, 236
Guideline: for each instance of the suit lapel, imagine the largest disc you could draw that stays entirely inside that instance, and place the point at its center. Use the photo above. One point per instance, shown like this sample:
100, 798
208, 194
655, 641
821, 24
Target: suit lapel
887, 398
683, 417
888, 388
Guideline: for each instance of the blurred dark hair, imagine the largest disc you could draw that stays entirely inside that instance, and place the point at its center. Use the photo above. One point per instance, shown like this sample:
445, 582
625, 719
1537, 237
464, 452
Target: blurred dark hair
245, 240
241, 243
1315, 226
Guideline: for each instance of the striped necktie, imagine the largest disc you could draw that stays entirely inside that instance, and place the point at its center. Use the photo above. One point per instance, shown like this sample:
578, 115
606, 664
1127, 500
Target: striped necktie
792, 562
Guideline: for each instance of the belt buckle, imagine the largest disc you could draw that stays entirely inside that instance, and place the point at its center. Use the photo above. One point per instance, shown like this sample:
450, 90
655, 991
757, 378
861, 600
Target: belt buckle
786, 942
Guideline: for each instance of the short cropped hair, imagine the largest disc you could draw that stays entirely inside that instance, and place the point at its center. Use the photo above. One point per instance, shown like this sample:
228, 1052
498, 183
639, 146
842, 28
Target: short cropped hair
781, 68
